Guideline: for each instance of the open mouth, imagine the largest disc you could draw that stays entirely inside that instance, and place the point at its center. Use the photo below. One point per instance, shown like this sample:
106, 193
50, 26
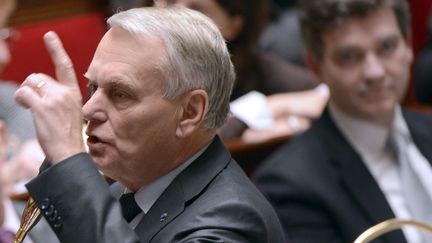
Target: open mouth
93, 140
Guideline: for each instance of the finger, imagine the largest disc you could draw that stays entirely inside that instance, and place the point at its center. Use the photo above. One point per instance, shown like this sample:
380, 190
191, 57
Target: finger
65, 72
27, 97
36, 82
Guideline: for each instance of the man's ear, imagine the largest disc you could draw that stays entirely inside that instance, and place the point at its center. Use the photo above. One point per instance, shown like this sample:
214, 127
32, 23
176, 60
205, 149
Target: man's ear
193, 110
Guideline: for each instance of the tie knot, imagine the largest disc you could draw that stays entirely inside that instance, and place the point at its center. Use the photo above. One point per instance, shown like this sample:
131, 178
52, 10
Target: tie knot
129, 206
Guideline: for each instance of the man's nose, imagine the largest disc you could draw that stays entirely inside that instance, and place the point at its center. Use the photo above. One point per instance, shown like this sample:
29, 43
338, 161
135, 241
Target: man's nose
374, 68
94, 108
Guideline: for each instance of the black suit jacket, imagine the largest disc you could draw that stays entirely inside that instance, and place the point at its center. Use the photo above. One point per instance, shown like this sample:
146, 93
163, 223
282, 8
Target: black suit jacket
322, 190
212, 200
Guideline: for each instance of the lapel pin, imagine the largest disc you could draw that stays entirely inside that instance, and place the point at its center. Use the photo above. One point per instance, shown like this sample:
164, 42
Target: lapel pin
163, 217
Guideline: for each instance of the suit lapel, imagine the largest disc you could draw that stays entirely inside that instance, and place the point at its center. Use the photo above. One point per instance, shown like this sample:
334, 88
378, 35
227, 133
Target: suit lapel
185, 187
355, 177
421, 132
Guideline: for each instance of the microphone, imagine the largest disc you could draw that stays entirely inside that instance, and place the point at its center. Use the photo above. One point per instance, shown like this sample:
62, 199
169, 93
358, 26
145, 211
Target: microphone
31, 214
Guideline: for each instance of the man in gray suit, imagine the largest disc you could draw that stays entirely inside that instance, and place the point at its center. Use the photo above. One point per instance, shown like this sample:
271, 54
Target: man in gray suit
160, 83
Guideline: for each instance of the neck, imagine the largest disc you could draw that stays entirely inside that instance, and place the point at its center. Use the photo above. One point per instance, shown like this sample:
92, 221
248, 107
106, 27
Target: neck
185, 149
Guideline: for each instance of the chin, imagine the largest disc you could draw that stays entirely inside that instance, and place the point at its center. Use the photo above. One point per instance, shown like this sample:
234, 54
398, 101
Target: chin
101, 163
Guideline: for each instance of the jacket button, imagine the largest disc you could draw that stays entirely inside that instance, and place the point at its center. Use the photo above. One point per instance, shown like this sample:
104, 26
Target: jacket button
53, 216
58, 223
45, 204
50, 210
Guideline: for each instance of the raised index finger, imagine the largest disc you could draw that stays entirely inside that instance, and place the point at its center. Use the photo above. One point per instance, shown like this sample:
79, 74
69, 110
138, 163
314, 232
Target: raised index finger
65, 72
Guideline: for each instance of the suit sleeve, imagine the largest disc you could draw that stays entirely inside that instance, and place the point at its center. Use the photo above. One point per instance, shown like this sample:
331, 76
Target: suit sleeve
77, 203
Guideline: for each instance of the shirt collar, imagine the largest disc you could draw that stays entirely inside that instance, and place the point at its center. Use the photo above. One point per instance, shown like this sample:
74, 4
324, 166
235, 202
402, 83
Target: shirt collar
147, 195
365, 136
400, 126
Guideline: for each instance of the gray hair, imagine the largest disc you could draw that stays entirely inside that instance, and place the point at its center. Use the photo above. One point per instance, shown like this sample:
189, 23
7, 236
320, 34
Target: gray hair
196, 51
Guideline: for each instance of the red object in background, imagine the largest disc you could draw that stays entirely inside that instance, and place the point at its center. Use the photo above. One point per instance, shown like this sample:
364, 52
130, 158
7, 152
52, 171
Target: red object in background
420, 10
80, 35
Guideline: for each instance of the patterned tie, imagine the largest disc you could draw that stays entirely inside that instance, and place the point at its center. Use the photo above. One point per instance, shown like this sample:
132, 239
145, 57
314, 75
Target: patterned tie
418, 198
129, 206
6, 236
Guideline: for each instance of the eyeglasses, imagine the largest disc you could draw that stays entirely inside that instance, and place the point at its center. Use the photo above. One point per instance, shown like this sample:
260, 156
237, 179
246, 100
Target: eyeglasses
8, 35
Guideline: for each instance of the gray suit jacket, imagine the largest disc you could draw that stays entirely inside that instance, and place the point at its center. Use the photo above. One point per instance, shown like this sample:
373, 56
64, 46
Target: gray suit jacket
322, 190
212, 200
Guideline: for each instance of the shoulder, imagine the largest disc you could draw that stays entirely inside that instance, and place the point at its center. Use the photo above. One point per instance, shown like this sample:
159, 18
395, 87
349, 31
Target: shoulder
232, 190
413, 115
303, 166
297, 155
419, 124
225, 205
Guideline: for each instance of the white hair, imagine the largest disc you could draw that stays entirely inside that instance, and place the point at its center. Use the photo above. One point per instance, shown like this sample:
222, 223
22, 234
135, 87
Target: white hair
197, 56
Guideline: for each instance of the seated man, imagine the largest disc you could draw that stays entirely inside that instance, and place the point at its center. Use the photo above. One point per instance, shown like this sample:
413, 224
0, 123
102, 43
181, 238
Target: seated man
160, 82
365, 160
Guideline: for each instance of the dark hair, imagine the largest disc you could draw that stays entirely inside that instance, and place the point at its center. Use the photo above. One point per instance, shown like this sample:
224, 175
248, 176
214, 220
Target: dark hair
255, 13
318, 16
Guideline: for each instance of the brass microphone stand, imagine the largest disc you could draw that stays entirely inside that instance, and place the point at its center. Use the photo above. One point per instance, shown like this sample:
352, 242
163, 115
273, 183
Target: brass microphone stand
32, 213
30, 217
387, 226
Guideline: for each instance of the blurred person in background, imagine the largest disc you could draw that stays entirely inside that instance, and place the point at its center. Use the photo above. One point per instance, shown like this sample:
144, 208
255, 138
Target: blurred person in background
122, 5
423, 70
366, 159
20, 153
282, 35
241, 23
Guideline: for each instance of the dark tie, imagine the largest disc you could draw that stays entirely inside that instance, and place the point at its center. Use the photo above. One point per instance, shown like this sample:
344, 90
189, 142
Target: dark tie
129, 206
6, 236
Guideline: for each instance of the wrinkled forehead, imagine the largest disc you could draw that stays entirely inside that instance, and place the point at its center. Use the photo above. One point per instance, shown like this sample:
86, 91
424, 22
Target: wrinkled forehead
119, 48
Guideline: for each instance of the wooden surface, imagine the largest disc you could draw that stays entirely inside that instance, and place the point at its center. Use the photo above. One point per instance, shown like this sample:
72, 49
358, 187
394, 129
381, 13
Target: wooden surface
250, 155
31, 11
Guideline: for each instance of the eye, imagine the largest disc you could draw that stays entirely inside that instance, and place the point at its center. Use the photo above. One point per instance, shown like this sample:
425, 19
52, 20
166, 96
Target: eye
91, 88
119, 94
387, 46
348, 57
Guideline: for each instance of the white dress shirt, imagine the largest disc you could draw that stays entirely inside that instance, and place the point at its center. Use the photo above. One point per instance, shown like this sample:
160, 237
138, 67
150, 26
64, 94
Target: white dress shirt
370, 141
